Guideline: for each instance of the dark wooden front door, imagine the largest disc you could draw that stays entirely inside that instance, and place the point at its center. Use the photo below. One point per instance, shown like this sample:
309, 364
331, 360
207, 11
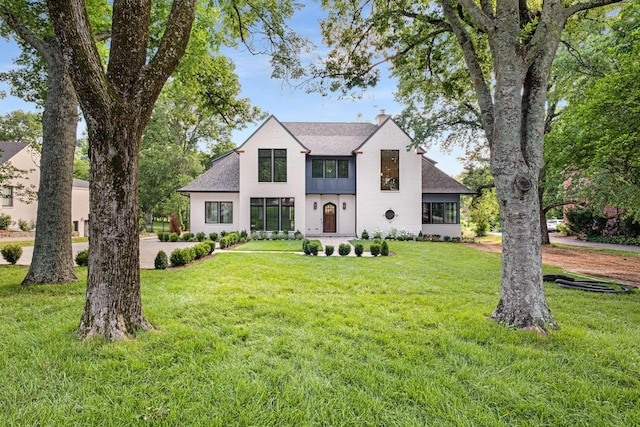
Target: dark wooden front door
329, 218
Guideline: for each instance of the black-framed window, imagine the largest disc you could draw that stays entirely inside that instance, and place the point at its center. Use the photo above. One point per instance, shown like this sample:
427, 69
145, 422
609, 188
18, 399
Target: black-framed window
272, 165
272, 213
7, 196
329, 168
218, 212
440, 213
390, 170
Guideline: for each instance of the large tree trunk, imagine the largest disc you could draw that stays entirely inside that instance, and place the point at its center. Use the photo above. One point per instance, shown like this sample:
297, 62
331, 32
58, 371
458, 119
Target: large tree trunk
114, 307
517, 143
52, 254
117, 105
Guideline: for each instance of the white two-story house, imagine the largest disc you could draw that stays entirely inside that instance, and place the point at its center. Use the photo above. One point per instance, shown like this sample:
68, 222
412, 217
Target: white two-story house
326, 179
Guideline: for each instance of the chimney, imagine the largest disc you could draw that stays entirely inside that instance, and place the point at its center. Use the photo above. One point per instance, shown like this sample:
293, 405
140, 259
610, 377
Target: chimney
380, 118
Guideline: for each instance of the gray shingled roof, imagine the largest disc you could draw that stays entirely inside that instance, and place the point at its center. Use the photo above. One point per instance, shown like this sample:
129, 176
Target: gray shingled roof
10, 149
222, 177
436, 181
80, 183
330, 139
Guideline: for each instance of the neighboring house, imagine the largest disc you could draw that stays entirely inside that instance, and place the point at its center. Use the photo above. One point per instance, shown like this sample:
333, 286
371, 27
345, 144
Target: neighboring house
326, 179
24, 158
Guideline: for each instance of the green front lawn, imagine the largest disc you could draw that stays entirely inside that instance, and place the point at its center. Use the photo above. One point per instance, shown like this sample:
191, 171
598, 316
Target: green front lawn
287, 340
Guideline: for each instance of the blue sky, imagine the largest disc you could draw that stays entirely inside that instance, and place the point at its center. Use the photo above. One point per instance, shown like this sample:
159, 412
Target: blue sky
279, 99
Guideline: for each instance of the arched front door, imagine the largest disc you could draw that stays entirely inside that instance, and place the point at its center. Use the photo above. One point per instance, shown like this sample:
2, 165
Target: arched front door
329, 218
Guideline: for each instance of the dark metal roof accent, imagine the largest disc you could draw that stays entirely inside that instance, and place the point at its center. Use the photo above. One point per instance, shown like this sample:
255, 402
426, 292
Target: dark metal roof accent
436, 181
222, 177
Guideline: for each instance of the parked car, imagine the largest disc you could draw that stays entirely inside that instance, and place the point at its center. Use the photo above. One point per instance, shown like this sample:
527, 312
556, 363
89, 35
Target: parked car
552, 224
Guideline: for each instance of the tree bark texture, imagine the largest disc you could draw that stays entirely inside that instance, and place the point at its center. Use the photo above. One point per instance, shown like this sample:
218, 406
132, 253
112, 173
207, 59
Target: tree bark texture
113, 307
52, 253
117, 104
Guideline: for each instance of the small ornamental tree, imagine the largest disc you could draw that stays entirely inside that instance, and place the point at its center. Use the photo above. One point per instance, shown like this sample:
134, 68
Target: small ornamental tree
162, 261
174, 224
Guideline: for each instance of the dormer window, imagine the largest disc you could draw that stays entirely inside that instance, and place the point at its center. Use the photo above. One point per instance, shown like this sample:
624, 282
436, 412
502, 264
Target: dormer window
272, 165
390, 170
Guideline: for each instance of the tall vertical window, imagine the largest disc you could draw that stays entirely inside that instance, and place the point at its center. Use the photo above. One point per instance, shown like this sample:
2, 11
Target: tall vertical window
7, 196
389, 169
272, 214
218, 212
272, 165
440, 213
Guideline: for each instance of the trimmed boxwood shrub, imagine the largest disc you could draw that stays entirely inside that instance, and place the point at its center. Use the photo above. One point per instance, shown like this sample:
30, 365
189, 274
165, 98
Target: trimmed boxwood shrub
328, 250
375, 249
200, 236
384, 249
359, 249
344, 249
313, 248
213, 236
178, 257
11, 253
200, 251
305, 247
162, 261
187, 237
364, 235
173, 237
5, 221
82, 258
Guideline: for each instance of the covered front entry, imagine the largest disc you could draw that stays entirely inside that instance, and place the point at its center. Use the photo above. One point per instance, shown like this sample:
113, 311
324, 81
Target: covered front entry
329, 218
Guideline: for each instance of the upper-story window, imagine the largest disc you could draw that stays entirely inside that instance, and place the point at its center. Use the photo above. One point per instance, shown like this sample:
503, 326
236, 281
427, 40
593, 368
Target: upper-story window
390, 170
329, 168
272, 165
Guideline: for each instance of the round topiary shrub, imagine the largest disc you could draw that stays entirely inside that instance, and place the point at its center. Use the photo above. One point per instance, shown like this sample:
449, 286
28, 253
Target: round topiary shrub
82, 258
173, 237
344, 249
364, 235
359, 249
328, 250
213, 236
200, 236
375, 249
162, 261
305, 247
11, 253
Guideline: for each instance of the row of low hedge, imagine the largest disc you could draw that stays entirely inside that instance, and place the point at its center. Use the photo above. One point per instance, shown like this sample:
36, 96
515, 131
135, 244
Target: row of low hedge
183, 256
186, 237
378, 247
617, 240
229, 240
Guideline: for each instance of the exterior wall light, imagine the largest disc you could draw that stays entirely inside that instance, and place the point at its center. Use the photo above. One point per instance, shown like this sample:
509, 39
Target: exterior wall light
315, 205
344, 205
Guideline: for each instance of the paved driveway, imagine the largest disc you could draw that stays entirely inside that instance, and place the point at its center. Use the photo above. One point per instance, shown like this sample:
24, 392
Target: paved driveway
149, 248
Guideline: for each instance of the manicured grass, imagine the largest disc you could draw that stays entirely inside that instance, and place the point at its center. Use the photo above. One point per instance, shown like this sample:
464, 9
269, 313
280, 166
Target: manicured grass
25, 243
286, 340
271, 245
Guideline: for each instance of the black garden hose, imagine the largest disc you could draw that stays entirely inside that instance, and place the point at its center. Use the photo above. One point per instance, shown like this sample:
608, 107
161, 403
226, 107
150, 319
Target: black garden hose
587, 285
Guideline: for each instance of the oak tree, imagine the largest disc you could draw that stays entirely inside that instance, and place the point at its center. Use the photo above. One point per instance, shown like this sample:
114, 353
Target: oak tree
506, 49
